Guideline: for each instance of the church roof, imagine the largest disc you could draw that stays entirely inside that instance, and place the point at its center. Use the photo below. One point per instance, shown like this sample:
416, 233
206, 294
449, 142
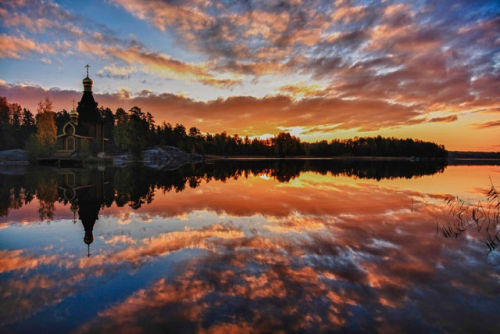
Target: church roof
87, 107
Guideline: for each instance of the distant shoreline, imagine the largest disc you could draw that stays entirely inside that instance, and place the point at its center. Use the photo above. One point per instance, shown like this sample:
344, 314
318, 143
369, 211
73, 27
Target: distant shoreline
19, 158
451, 161
308, 157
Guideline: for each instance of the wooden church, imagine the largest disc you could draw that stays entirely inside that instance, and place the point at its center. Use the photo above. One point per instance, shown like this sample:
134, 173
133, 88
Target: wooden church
84, 133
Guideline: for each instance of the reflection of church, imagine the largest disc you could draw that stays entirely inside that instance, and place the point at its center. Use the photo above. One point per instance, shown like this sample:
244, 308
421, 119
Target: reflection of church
86, 192
84, 132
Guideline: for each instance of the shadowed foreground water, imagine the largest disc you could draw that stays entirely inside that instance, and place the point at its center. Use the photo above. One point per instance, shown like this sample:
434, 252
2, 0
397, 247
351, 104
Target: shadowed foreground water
252, 246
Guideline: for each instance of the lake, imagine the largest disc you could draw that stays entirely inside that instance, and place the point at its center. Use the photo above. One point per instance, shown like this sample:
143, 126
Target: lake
251, 246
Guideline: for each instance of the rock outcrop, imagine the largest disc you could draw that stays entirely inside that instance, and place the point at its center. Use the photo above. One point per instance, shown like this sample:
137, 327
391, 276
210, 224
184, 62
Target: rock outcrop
169, 157
165, 157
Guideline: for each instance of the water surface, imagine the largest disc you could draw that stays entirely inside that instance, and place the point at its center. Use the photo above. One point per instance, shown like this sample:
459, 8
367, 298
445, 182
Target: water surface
250, 246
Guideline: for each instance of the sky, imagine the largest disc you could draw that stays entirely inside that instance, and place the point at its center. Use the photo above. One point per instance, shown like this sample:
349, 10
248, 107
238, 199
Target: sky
319, 69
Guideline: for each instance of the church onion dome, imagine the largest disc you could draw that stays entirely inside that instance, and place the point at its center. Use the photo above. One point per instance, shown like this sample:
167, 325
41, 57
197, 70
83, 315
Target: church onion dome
89, 237
87, 80
87, 84
73, 115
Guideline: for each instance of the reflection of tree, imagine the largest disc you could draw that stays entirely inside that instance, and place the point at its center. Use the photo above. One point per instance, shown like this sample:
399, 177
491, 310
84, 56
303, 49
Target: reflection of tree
484, 217
135, 185
194, 182
12, 196
285, 170
47, 196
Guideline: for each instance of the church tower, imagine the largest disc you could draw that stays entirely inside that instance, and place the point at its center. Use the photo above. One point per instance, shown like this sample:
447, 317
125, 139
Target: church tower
89, 119
84, 133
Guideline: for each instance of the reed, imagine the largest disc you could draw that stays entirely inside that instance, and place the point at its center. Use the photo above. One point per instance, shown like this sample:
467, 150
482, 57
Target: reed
483, 216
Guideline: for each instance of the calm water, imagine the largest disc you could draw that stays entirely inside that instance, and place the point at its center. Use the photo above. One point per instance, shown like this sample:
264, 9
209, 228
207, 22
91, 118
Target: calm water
305, 246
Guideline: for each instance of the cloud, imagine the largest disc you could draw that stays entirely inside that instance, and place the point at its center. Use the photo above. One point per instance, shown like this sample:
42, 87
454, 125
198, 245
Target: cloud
35, 16
15, 47
408, 53
444, 119
155, 63
97, 39
487, 125
303, 90
116, 72
406, 59
244, 115
347, 14
46, 60
164, 14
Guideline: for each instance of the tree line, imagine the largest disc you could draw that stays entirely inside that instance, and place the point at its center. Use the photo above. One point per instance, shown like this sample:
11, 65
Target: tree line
135, 130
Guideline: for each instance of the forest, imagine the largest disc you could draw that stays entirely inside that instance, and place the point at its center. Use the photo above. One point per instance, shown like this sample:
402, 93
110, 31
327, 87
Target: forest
135, 130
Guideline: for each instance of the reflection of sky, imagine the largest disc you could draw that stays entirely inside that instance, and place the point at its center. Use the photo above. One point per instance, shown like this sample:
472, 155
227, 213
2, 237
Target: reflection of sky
252, 254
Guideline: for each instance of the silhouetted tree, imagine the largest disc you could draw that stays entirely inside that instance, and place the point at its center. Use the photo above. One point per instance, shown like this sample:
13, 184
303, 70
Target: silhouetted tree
43, 142
120, 130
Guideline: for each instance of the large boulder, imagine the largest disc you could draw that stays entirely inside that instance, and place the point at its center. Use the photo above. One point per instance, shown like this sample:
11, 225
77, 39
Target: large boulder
169, 157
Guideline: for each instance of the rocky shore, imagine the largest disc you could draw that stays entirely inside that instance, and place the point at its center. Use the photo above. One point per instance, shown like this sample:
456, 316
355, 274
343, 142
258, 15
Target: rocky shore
166, 157
15, 157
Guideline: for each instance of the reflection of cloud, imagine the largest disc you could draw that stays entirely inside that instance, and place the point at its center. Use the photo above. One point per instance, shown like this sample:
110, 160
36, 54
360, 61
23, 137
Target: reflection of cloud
117, 239
20, 299
125, 218
161, 245
370, 262
11, 260
345, 255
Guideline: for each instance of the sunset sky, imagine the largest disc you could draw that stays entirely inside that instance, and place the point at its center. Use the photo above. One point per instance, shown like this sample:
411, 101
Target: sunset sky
318, 69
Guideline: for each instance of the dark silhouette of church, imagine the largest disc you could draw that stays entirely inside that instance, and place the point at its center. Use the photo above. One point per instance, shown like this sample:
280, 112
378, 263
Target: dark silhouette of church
85, 191
83, 134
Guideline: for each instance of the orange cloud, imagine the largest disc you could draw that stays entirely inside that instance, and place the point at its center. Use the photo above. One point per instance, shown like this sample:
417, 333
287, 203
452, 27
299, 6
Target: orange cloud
160, 245
303, 90
488, 125
154, 63
164, 14
444, 119
12, 260
349, 13
15, 47
260, 116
